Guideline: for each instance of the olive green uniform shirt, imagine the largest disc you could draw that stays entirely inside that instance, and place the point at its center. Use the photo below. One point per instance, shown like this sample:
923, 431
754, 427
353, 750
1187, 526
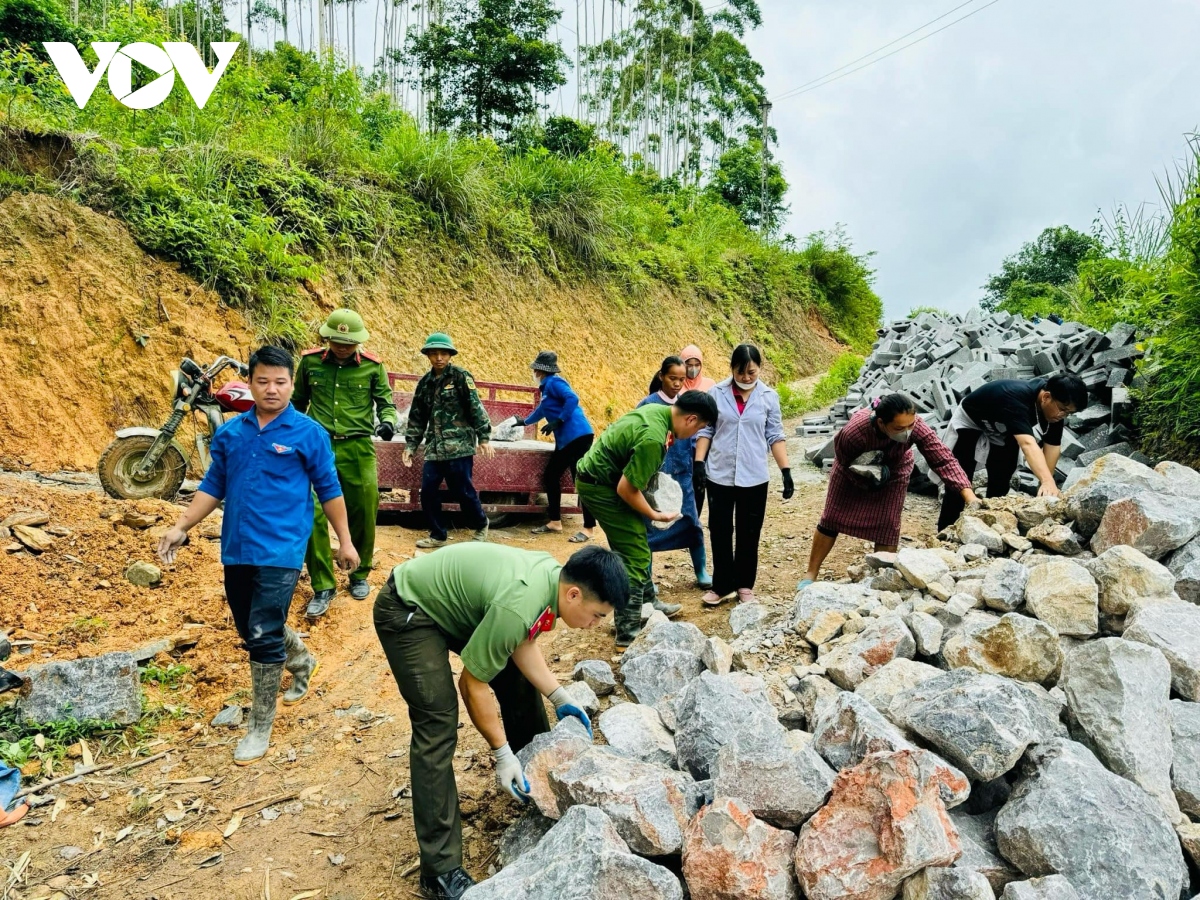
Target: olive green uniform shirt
489, 595
634, 446
344, 398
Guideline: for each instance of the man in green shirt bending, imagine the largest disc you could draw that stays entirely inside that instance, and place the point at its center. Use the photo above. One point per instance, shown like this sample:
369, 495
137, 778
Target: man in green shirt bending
612, 477
487, 603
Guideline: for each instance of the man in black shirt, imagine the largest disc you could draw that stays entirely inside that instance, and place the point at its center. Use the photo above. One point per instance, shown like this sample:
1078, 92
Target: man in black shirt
1005, 414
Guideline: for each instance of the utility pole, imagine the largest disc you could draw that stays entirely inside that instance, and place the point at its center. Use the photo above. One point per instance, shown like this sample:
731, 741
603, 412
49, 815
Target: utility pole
766, 158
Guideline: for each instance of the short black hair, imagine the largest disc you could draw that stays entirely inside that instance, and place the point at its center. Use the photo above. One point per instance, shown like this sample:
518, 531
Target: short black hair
743, 355
698, 403
272, 356
892, 405
1068, 388
599, 572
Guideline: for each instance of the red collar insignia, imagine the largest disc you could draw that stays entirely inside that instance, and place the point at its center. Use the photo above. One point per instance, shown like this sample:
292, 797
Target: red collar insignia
670, 439
545, 622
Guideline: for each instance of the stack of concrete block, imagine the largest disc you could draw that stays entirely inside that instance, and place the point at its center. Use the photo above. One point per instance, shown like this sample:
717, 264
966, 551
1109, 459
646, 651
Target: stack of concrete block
938, 359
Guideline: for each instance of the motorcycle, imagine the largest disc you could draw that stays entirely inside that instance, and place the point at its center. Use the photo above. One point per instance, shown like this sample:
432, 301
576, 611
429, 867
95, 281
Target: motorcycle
148, 462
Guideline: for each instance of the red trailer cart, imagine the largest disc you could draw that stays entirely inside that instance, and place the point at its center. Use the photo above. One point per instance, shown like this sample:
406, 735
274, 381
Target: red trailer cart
509, 482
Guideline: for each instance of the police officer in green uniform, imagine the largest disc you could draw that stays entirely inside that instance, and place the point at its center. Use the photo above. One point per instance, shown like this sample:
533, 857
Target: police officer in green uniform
487, 603
614, 473
448, 415
343, 387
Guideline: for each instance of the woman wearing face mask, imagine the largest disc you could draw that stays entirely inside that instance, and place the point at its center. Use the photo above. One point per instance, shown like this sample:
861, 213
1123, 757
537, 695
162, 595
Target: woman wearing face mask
685, 532
749, 426
872, 463
695, 380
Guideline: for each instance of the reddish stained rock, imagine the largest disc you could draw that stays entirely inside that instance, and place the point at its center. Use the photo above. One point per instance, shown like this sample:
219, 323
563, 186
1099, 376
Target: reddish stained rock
728, 854
552, 750
884, 822
883, 640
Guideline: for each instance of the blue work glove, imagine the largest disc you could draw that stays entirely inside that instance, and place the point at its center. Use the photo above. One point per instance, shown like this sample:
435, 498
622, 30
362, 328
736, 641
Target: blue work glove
564, 706
509, 774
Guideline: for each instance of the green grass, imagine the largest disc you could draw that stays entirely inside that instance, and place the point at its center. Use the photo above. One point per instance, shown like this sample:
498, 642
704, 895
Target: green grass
832, 385
167, 677
298, 170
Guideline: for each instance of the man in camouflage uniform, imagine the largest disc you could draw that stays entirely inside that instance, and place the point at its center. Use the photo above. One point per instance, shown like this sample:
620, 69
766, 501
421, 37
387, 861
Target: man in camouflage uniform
343, 387
447, 413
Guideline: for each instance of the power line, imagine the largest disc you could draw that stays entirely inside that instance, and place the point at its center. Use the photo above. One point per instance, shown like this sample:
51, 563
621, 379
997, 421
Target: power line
826, 79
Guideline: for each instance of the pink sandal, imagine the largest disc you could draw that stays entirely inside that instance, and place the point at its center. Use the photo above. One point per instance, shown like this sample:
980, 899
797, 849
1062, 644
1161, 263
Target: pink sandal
713, 599
745, 595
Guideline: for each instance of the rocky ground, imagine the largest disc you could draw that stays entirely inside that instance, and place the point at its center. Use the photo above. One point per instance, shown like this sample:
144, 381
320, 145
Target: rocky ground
328, 810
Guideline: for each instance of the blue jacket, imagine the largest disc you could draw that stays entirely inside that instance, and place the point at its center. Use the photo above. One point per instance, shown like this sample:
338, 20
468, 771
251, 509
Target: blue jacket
267, 478
685, 532
561, 403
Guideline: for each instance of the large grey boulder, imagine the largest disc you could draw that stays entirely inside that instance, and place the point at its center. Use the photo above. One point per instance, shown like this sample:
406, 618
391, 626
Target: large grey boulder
1052, 887
649, 805
728, 854
782, 784
1184, 564
638, 732
814, 694
597, 674
1117, 693
1156, 524
1070, 816
1174, 628
977, 834
852, 729
974, 531
100, 688
1181, 480
714, 710
980, 723
683, 636
883, 640
660, 673
823, 596
1126, 578
947, 883
748, 616
884, 823
1185, 771
1004, 585
1013, 646
560, 746
581, 858
898, 675
1090, 490
1063, 594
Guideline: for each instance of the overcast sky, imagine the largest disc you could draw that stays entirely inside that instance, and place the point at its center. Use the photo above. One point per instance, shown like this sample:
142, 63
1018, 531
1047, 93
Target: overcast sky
946, 157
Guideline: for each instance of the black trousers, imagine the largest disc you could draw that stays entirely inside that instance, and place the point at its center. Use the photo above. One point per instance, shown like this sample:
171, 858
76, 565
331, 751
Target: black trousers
1001, 466
735, 513
418, 652
259, 598
458, 475
561, 459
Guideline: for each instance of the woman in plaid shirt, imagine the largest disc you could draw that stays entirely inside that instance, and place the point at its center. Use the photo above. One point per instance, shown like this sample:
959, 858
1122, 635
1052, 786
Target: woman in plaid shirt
866, 495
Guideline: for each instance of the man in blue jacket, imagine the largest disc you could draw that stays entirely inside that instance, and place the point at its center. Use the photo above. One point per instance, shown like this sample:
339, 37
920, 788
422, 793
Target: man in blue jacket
266, 464
573, 438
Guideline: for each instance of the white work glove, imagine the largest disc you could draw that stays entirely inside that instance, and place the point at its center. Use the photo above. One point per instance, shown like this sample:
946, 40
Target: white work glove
564, 706
509, 774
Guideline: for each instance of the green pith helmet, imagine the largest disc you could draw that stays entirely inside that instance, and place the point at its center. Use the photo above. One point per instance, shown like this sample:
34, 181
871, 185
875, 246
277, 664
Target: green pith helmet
345, 326
439, 341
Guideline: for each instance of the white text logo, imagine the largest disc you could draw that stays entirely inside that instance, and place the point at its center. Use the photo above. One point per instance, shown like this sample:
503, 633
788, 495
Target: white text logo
165, 61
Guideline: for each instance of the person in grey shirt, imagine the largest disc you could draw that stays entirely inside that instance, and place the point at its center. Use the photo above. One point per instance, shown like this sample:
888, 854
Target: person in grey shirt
734, 457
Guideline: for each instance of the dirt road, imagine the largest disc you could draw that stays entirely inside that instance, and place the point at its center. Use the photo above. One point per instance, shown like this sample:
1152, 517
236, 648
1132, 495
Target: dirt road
328, 809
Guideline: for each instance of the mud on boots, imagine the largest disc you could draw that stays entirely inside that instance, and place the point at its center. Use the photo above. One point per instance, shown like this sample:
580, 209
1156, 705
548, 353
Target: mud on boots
614, 473
447, 414
266, 527
488, 603
344, 387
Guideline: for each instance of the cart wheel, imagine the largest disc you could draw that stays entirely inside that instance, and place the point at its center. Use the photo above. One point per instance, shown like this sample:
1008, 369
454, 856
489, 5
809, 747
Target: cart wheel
500, 519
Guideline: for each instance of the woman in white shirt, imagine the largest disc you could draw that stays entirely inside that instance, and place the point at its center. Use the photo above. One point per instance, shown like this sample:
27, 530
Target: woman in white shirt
734, 453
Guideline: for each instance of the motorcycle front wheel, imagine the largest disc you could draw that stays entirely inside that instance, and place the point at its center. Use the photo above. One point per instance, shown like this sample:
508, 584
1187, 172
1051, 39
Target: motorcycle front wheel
120, 461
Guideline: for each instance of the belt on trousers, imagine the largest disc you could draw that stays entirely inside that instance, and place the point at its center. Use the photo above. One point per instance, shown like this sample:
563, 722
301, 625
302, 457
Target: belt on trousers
348, 437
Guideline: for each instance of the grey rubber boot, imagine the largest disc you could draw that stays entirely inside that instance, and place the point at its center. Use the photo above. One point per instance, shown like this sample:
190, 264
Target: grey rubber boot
301, 663
265, 678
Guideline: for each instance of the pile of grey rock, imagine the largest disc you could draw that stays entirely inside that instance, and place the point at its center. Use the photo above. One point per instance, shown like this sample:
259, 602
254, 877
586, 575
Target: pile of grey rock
939, 359
1013, 714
